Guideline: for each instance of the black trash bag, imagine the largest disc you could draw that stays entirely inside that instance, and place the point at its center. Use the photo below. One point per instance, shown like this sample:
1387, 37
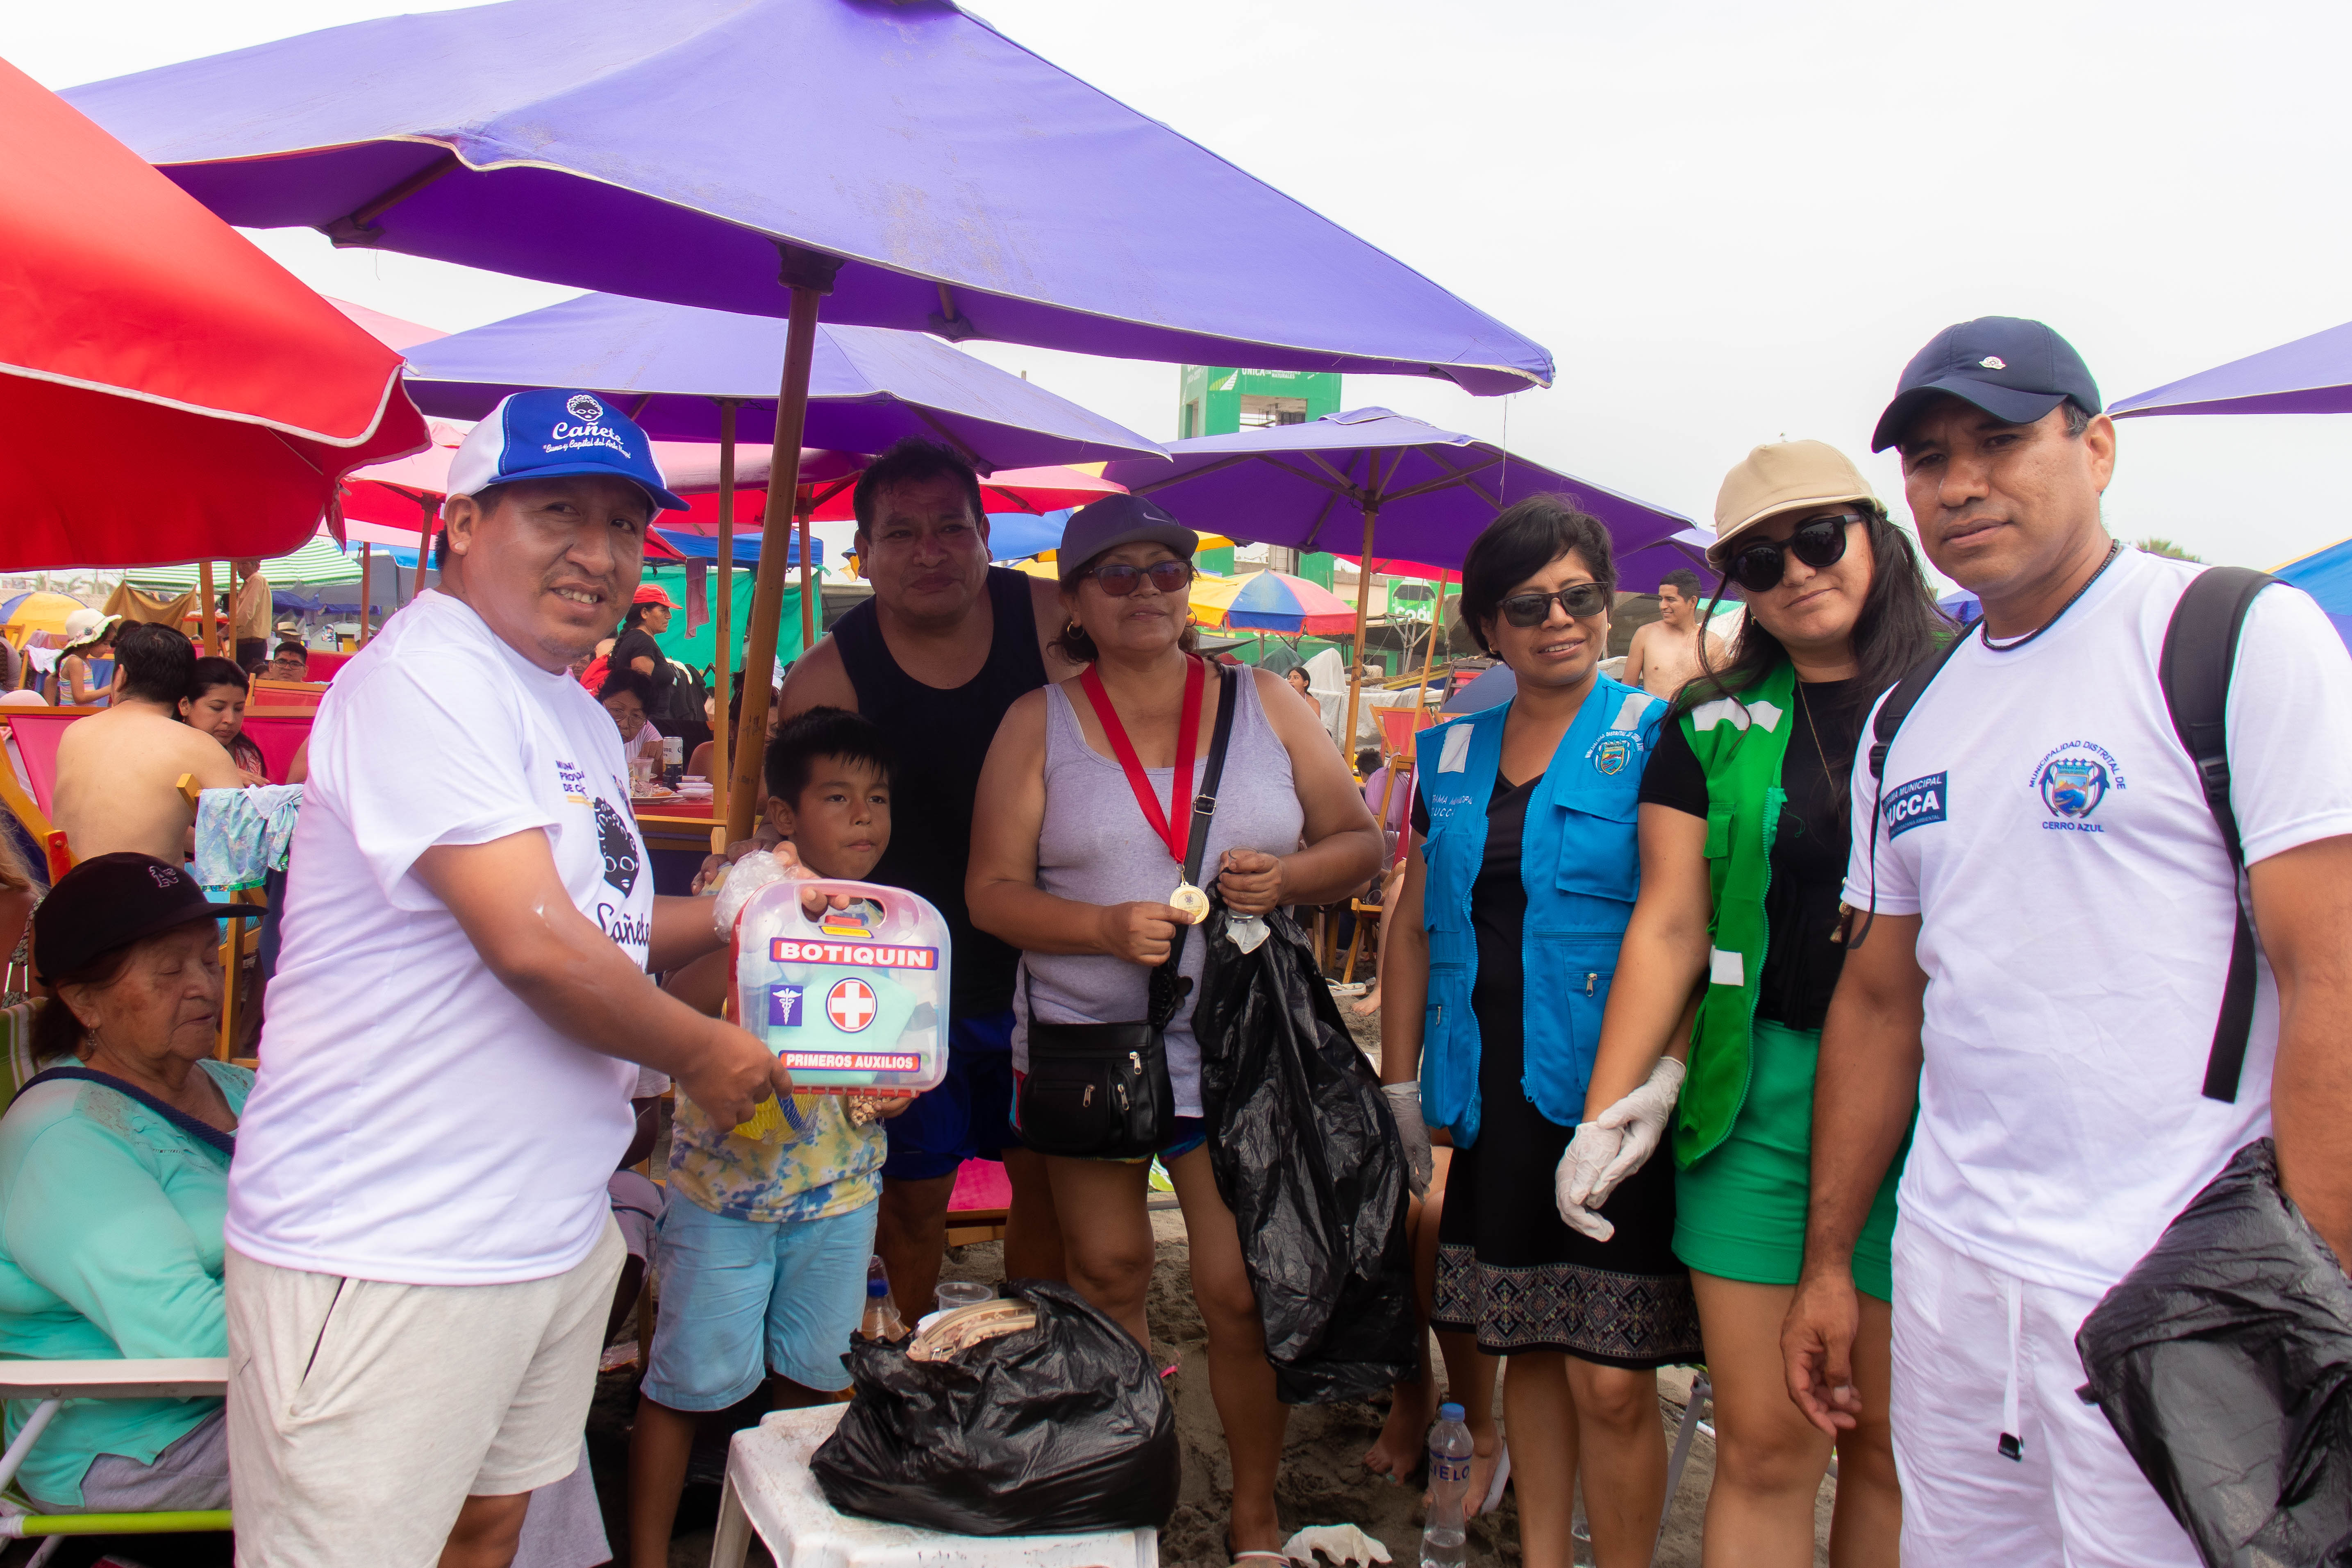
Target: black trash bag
1054, 1430
1307, 1156
2223, 1361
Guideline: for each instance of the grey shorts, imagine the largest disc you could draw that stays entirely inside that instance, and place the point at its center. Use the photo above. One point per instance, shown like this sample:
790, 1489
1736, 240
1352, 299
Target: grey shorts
191, 1473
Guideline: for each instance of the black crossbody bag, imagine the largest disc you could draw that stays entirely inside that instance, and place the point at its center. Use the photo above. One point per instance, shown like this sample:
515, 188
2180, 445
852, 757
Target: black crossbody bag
1101, 1091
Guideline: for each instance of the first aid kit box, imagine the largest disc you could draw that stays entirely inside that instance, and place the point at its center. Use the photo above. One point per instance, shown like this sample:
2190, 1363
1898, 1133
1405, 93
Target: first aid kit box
847, 981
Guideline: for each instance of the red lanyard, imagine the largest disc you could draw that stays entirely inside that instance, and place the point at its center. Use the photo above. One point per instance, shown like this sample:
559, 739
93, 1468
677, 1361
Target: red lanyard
1172, 825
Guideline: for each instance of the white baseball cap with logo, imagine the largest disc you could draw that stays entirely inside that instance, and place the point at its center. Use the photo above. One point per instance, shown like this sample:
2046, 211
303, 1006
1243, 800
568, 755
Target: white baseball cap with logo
548, 434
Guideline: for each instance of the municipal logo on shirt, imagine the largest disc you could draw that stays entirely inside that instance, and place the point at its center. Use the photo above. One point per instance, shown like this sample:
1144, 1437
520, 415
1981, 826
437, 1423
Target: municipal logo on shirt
2072, 780
1917, 803
1611, 753
574, 783
851, 1006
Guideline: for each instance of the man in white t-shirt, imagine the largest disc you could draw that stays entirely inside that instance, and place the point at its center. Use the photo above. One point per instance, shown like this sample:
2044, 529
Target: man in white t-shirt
421, 1251
2053, 919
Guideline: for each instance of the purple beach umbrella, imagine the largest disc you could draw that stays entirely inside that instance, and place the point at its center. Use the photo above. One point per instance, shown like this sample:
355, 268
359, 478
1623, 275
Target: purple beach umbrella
2309, 375
683, 373
895, 164
1383, 485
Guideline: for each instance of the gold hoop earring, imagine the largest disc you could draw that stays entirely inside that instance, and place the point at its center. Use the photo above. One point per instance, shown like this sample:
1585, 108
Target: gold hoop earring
1073, 630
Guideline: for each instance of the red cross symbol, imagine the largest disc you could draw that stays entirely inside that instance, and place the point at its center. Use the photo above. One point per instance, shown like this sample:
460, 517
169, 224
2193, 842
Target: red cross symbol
850, 1005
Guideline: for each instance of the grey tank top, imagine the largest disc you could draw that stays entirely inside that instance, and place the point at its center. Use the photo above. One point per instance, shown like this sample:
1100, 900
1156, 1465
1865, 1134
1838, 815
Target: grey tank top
1096, 848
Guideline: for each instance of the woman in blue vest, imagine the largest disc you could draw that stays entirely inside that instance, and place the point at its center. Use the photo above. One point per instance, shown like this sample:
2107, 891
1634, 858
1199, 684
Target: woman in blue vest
1523, 873
1745, 833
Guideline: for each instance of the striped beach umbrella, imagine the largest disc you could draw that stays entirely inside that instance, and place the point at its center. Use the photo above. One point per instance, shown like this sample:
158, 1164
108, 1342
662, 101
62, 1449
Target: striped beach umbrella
1271, 602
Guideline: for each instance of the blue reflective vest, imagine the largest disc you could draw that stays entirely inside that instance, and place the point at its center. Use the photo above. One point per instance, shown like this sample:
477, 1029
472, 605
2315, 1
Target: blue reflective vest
1582, 867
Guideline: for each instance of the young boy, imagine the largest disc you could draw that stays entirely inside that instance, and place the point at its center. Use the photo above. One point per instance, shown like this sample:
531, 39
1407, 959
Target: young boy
764, 1244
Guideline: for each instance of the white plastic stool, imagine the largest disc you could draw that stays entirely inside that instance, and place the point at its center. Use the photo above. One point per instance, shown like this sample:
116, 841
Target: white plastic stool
770, 1490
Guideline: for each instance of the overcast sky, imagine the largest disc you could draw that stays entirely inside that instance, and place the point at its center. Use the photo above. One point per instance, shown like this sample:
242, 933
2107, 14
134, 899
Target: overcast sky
1729, 223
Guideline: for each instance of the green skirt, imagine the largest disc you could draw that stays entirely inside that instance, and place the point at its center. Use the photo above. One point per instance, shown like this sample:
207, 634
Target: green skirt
1739, 1213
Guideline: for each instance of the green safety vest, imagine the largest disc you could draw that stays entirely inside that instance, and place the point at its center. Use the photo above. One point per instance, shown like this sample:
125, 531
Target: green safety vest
1740, 743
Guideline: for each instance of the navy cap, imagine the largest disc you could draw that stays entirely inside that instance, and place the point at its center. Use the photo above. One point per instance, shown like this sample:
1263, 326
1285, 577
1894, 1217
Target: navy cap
548, 435
112, 900
2014, 369
1115, 521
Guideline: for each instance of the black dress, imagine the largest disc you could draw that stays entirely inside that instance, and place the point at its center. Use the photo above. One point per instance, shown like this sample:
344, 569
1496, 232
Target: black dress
1509, 1269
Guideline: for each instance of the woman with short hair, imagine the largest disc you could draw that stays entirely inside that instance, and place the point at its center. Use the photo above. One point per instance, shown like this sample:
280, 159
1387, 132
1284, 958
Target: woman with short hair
1744, 830
1501, 948
1071, 866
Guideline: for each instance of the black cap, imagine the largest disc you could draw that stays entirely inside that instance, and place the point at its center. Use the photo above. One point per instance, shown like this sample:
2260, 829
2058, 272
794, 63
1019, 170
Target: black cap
110, 901
2014, 369
1115, 521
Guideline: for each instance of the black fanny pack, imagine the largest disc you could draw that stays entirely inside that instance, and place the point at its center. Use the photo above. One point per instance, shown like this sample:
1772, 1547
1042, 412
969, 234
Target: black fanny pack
1101, 1091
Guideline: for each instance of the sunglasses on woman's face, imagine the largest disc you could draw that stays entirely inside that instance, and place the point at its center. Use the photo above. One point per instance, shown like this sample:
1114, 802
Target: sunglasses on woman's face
1118, 579
1817, 542
1578, 599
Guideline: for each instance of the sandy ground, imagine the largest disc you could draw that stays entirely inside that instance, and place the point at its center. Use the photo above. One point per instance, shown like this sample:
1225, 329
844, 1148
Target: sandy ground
1323, 1477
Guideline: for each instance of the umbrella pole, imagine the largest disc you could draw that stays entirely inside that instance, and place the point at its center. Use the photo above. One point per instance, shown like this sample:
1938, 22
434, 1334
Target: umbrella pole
204, 610
721, 737
367, 587
1356, 658
768, 592
808, 602
1429, 659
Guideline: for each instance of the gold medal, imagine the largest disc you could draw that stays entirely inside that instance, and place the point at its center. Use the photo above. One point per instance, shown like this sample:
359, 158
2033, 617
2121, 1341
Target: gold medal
1191, 901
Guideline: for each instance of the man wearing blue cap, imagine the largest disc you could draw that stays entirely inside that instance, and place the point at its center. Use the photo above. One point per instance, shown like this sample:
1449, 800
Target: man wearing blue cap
421, 1252
2052, 904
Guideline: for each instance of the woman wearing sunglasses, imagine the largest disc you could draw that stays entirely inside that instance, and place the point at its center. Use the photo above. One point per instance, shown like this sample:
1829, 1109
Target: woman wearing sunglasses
1085, 785
1522, 874
1744, 837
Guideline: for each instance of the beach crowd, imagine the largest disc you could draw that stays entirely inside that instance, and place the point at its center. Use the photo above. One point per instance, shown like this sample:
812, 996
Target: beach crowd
1846, 1005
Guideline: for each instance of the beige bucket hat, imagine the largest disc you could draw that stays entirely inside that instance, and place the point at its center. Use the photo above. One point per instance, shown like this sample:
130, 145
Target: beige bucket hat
1782, 477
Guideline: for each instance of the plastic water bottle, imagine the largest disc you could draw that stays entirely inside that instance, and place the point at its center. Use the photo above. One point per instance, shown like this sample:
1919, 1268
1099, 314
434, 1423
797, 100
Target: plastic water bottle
1442, 1539
882, 1321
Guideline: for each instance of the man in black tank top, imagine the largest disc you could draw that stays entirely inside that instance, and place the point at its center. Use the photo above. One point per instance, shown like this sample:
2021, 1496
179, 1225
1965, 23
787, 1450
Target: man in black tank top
935, 658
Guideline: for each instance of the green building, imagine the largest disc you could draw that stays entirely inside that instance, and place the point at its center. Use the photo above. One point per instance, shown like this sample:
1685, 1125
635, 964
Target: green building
1217, 400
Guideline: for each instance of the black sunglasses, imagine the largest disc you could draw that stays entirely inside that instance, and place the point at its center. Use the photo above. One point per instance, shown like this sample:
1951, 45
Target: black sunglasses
1118, 579
1817, 542
1578, 599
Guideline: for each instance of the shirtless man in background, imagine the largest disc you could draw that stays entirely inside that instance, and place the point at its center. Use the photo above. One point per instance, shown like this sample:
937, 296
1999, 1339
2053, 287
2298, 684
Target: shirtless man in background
1665, 653
119, 771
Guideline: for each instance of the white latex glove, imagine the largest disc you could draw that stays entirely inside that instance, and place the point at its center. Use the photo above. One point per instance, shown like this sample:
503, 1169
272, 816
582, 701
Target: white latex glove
1343, 1544
1404, 1104
745, 878
1642, 1117
1589, 1153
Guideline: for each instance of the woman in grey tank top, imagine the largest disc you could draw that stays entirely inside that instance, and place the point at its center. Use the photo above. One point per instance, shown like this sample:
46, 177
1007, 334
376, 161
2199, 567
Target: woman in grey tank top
1067, 867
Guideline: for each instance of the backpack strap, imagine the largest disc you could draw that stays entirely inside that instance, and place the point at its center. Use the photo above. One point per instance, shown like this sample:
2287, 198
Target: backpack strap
1897, 707
2201, 650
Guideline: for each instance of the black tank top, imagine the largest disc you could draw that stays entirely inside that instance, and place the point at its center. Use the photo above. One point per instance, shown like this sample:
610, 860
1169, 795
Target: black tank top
942, 738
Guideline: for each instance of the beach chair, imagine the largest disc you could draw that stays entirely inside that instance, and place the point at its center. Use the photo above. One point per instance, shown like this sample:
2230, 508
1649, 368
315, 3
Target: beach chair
268, 693
981, 1203
55, 1382
1694, 1412
279, 732
35, 733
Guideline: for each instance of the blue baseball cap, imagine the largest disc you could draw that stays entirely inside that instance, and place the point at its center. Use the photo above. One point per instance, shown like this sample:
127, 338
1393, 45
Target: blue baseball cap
551, 434
2014, 369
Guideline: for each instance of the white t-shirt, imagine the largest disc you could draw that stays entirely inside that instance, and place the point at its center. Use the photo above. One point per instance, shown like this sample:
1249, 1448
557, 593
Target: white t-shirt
413, 1120
2042, 817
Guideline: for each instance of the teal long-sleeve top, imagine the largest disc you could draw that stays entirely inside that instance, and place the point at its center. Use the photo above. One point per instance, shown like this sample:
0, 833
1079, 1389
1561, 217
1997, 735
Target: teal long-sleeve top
110, 1246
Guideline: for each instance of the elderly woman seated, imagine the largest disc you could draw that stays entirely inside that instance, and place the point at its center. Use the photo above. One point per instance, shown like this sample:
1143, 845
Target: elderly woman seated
114, 1183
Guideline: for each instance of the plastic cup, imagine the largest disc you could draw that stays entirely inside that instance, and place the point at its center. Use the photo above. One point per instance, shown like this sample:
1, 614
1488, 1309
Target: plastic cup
954, 1293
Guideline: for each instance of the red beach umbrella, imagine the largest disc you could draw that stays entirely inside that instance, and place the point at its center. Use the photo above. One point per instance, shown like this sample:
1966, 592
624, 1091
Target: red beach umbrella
170, 393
